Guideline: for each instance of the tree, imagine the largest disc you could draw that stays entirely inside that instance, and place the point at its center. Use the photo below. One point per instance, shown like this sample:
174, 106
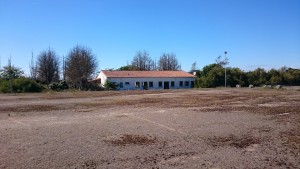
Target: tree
80, 65
142, 61
168, 61
236, 76
274, 77
48, 67
128, 68
11, 72
257, 77
207, 69
221, 62
211, 76
33, 68
194, 67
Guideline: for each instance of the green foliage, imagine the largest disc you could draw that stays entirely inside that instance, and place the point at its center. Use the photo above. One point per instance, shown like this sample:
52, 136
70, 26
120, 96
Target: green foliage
275, 77
257, 77
110, 85
210, 76
62, 85
128, 68
90, 86
213, 76
11, 72
20, 85
236, 77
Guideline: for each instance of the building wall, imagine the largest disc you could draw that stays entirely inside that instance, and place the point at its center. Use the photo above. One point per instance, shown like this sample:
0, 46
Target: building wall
102, 77
145, 83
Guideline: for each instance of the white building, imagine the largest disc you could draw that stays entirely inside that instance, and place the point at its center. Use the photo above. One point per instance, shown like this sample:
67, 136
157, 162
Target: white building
135, 80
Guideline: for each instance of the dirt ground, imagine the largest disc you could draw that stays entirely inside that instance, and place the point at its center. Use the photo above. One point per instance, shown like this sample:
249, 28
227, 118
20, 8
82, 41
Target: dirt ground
206, 128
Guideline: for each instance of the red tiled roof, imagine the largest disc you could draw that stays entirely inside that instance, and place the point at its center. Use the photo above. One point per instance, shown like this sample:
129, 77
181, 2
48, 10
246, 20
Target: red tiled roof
141, 74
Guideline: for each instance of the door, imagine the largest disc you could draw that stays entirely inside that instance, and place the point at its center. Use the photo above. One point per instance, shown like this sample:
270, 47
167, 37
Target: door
145, 85
166, 85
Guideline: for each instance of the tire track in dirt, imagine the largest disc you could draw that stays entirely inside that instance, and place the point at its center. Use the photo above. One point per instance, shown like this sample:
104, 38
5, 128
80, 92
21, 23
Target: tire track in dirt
159, 124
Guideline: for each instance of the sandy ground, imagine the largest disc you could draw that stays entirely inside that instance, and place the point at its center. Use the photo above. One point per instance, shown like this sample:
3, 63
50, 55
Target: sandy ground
207, 128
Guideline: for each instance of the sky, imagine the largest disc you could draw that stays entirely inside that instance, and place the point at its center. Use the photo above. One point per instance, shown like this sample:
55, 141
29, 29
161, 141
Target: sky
255, 33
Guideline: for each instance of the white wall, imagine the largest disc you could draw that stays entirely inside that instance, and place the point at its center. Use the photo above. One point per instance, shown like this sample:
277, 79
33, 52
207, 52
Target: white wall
102, 77
132, 82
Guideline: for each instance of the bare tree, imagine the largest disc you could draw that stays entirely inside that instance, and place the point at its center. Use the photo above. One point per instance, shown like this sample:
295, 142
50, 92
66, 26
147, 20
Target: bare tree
64, 69
33, 68
80, 65
142, 61
48, 66
194, 66
221, 62
168, 61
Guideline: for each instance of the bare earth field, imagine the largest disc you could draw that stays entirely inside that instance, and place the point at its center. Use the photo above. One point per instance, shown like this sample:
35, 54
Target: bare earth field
206, 128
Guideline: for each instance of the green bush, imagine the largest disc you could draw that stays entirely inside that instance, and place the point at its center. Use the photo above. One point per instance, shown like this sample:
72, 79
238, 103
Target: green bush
110, 85
4, 86
62, 85
20, 85
90, 86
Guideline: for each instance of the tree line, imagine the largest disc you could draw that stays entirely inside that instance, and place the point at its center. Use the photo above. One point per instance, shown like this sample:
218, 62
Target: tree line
80, 65
143, 62
213, 75
77, 69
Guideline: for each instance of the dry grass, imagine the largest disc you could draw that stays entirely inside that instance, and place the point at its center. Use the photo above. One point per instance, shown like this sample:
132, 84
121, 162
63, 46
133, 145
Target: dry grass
266, 102
235, 141
134, 140
281, 106
31, 108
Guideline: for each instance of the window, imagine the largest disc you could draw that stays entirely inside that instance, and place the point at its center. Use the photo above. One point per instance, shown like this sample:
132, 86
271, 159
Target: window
159, 84
187, 83
137, 84
150, 84
181, 83
127, 83
172, 83
121, 84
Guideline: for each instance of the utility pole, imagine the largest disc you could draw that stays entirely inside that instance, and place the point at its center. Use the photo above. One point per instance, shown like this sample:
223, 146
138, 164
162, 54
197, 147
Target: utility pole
10, 74
64, 66
225, 68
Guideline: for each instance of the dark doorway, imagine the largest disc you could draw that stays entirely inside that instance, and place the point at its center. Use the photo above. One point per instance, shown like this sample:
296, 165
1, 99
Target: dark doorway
166, 85
145, 85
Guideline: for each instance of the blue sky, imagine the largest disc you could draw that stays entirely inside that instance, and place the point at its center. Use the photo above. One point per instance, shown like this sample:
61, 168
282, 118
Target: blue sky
256, 33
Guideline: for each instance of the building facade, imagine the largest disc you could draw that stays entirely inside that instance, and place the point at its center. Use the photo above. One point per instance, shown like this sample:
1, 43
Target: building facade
139, 80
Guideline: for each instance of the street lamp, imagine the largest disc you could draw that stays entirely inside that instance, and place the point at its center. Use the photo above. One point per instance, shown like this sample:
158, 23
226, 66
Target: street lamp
225, 66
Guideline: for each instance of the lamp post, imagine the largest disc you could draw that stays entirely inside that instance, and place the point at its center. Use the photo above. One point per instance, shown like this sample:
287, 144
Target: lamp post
225, 67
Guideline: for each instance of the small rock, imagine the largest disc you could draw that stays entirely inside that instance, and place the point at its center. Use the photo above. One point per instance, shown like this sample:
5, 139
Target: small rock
251, 86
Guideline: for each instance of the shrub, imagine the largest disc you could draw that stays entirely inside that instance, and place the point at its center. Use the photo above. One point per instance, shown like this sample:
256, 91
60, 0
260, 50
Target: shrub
90, 86
110, 85
62, 85
20, 85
